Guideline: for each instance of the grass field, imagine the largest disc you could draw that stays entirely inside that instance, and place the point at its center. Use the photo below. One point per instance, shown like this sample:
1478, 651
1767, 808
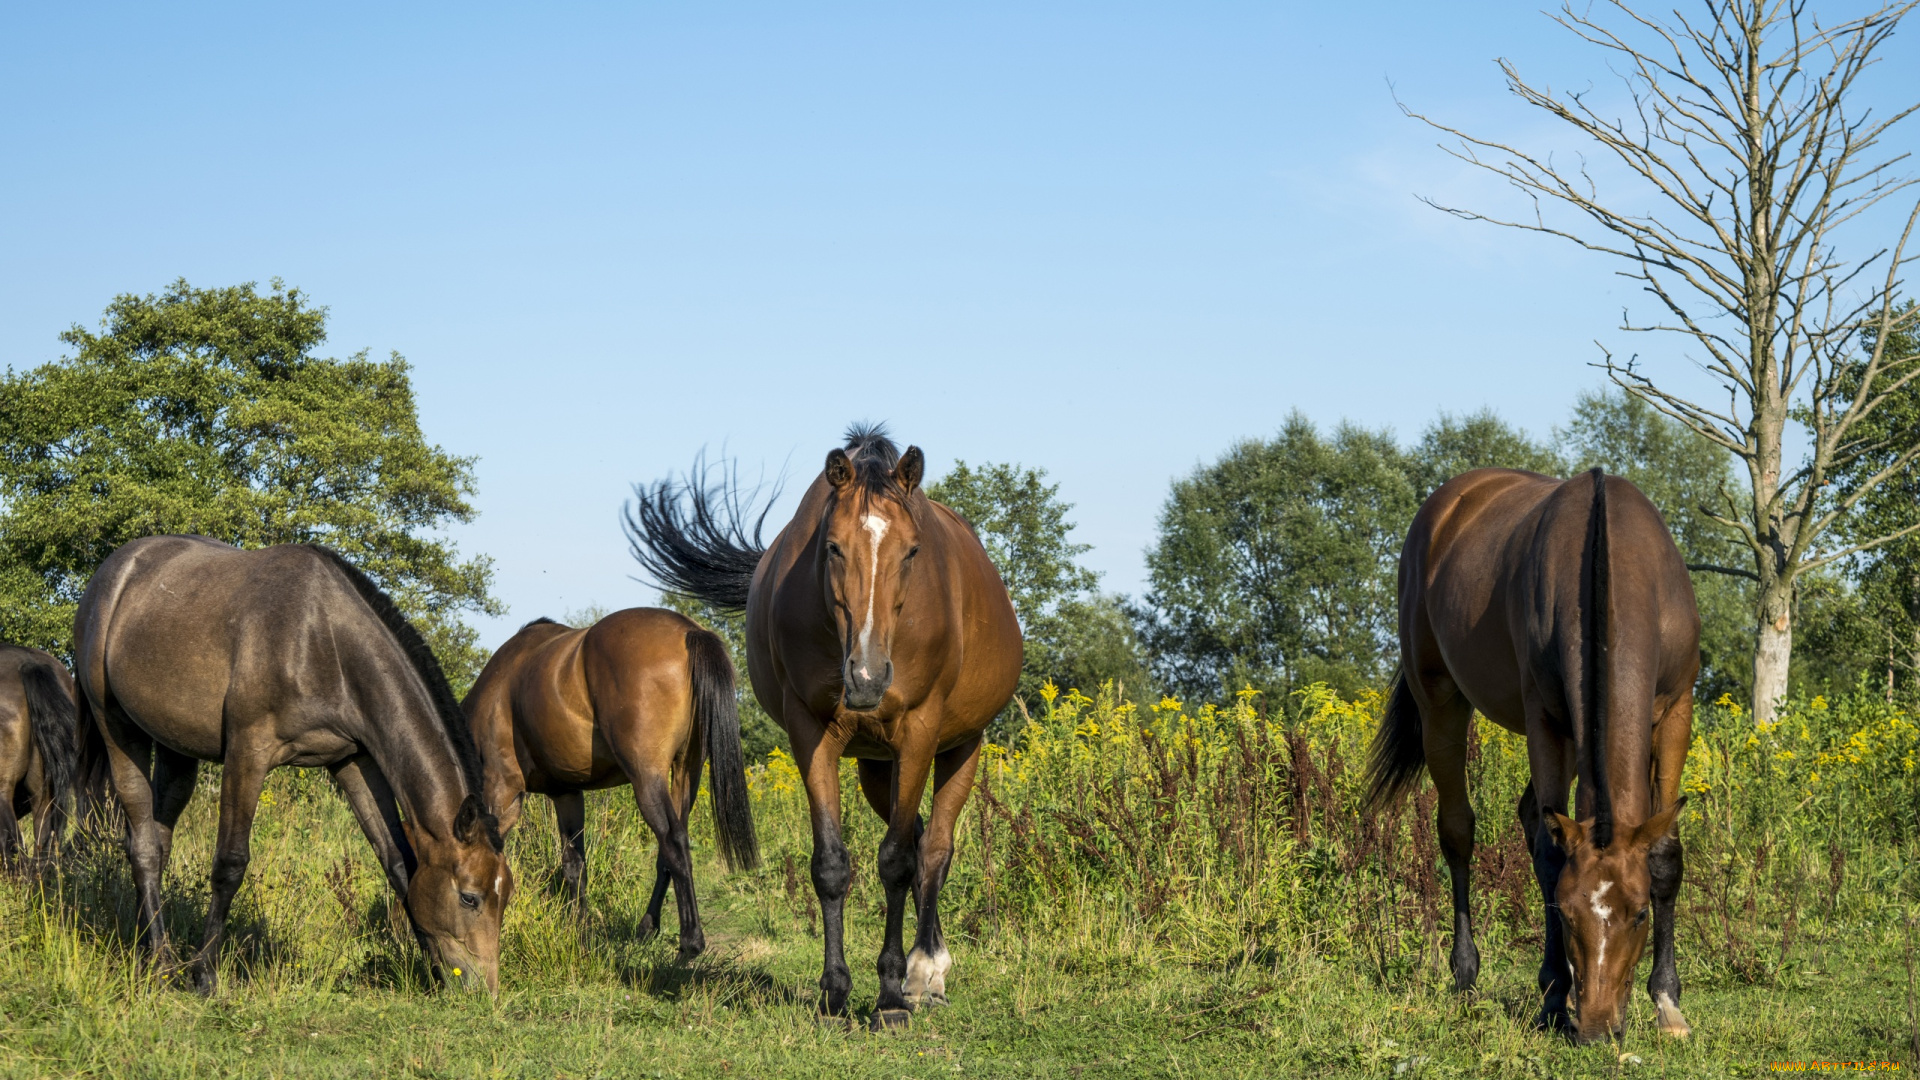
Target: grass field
1266, 956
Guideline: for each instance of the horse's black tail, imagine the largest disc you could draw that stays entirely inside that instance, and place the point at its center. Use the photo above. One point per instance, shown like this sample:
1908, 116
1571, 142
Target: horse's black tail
1594, 664
716, 713
50, 714
94, 806
692, 537
1399, 749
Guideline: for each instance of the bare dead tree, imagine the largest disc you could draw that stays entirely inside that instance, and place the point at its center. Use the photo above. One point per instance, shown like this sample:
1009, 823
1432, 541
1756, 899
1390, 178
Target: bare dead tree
1744, 139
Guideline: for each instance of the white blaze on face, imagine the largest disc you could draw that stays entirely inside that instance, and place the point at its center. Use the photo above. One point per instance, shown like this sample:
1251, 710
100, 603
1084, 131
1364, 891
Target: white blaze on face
876, 527
1605, 912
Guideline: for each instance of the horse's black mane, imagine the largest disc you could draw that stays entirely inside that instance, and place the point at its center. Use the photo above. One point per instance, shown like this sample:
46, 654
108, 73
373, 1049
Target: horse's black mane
874, 457
540, 621
427, 665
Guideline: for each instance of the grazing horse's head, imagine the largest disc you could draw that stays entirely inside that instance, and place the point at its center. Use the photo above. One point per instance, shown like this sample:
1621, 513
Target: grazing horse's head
870, 540
457, 895
1604, 897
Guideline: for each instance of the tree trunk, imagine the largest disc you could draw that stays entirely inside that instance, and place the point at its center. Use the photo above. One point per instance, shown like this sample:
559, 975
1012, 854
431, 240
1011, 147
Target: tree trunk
1773, 649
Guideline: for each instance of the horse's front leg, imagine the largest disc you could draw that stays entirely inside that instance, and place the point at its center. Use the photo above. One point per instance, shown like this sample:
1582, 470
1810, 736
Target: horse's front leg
899, 864
570, 821
371, 799
816, 752
1671, 740
1551, 759
927, 964
241, 776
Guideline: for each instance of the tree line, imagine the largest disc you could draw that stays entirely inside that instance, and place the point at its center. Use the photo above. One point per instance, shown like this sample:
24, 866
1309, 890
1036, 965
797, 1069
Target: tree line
209, 411
1275, 566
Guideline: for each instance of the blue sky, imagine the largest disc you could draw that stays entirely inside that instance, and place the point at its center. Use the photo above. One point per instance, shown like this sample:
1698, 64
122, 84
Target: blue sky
1107, 239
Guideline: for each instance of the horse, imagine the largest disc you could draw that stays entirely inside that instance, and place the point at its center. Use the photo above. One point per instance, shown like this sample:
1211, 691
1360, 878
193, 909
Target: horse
877, 628
189, 650
637, 698
37, 747
1562, 611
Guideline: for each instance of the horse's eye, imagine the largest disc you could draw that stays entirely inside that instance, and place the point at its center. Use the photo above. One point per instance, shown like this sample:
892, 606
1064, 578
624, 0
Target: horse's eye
915, 550
471, 900
833, 549
1642, 917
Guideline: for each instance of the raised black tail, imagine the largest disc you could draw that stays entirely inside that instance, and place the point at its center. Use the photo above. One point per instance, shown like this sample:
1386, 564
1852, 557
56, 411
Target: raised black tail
1399, 749
716, 712
50, 713
692, 536
1594, 663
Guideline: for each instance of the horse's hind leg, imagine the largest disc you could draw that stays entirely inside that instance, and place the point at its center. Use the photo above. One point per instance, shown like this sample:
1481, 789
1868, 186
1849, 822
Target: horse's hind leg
1445, 727
9, 828
570, 821
675, 863
927, 964
153, 802
241, 777
1672, 738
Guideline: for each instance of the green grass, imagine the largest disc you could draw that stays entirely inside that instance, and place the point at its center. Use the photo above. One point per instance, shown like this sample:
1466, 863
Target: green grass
316, 982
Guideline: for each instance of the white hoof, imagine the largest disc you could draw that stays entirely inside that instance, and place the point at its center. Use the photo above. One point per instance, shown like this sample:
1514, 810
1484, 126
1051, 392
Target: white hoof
927, 977
1670, 1021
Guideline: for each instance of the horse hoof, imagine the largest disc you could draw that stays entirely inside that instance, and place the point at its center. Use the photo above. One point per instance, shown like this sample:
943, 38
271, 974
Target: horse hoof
833, 1021
930, 1001
648, 928
1670, 1021
891, 1020
688, 952
1553, 1020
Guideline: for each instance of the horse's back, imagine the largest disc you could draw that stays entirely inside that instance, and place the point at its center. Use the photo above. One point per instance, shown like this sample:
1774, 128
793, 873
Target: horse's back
1493, 570
573, 694
639, 676
179, 632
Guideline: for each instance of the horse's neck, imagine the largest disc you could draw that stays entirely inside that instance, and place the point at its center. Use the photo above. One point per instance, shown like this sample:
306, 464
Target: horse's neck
414, 751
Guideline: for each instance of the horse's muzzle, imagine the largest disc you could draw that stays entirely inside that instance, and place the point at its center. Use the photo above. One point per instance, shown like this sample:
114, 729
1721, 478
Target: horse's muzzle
866, 684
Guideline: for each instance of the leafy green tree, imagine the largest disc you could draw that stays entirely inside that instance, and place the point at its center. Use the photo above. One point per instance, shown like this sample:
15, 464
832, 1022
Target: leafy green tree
1888, 576
1074, 635
205, 411
1275, 566
1452, 445
1690, 480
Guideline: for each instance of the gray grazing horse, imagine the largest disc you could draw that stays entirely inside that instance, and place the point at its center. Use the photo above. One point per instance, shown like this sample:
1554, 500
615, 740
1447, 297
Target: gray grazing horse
189, 650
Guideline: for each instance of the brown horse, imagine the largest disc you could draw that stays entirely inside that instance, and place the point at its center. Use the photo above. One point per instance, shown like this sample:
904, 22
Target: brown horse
1562, 611
189, 650
877, 628
37, 747
636, 698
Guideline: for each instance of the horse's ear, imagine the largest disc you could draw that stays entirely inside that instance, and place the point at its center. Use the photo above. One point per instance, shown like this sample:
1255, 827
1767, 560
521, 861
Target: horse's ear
1659, 824
839, 468
1566, 832
467, 822
912, 466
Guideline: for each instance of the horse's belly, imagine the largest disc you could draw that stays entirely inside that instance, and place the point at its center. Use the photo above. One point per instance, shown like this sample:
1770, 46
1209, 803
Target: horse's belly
184, 724
575, 761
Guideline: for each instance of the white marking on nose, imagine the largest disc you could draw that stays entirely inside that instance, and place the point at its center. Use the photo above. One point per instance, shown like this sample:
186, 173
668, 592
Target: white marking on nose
876, 527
